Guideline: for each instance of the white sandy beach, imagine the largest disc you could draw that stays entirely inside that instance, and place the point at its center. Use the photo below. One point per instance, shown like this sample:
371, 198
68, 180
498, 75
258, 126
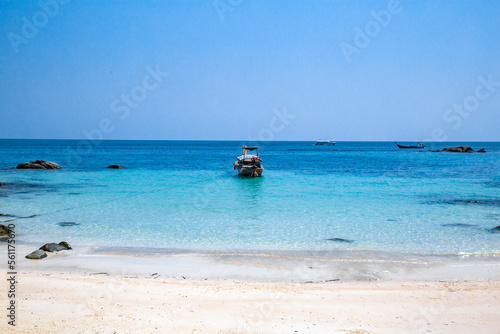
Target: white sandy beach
81, 292
97, 303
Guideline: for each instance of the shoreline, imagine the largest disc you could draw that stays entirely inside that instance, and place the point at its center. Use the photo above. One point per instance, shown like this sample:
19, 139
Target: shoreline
264, 266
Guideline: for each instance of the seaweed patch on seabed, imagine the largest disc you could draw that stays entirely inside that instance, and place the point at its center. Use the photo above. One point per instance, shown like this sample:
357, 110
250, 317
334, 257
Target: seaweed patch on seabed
459, 225
14, 216
492, 184
485, 202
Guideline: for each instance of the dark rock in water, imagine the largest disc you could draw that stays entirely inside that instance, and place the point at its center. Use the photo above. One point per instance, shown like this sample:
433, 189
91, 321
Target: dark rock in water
2, 184
458, 225
4, 231
116, 167
459, 149
64, 224
36, 255
467, 201
341, 240
65, 245
38, 164
481, 150
496, 229
52, 247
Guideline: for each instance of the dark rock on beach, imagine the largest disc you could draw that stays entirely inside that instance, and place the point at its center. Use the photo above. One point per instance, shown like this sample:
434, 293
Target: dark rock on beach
53, 247
36, 255
38, 164
65, 245
341, 240
4, 231
116, 167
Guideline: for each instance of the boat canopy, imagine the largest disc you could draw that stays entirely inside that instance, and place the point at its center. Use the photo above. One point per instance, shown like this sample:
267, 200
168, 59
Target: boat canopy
251, 148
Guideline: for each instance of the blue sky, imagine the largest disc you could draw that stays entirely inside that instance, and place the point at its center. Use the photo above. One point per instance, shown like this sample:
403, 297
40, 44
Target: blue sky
430, 72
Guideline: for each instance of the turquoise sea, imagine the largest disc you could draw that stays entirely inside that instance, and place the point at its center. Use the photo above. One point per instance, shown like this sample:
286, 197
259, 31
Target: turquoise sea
185, 195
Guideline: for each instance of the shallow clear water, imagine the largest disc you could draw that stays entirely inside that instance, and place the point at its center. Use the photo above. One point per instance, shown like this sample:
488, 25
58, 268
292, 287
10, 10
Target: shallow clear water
185, 194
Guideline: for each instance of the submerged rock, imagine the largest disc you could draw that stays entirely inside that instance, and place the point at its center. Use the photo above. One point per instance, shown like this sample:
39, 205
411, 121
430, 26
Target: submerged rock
4, 231
38, 164
36, 255
341, 240
116, 167
64, 224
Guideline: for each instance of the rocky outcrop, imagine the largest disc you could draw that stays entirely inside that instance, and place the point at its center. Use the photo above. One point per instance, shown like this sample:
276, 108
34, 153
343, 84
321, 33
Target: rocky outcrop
496, 229
2, 184
462, 149
36, 255
116, 167
50, 247
459, 149
53, 247
4, 231
38, 164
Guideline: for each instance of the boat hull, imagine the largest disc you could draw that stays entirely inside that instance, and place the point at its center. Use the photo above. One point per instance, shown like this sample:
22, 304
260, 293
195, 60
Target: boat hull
418, 146
250, 171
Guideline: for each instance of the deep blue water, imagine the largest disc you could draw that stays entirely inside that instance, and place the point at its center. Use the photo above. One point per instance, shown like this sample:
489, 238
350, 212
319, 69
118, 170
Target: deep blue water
185, 194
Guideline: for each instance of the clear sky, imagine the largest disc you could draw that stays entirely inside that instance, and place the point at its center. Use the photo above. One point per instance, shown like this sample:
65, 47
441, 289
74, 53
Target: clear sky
238, 69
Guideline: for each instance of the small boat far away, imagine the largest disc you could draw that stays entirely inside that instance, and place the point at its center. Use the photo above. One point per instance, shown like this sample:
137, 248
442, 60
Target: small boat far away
419, 145
325, 143
249, 164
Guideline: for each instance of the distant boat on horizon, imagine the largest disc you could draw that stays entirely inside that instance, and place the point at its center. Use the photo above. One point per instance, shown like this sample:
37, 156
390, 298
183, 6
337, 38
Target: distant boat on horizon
419, 145
325, 143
